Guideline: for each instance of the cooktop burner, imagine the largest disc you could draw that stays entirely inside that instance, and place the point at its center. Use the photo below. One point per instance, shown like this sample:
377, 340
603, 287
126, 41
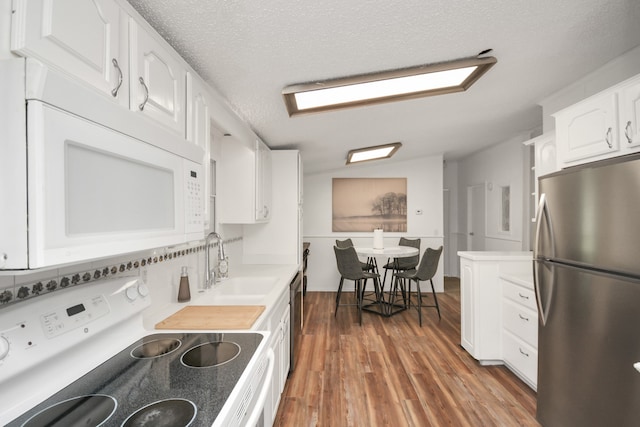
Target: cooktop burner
156, 348
154, 385
165, 413
92, 410
211, 354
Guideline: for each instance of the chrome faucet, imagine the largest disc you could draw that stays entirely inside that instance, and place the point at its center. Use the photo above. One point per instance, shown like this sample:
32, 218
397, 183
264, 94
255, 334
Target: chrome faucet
209, 273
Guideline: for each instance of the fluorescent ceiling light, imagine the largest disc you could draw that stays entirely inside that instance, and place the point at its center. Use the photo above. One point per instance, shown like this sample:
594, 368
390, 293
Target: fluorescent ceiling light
429, 80
372, 153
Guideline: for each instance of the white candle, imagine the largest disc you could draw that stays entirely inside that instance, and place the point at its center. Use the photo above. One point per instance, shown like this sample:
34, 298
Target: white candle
378, 239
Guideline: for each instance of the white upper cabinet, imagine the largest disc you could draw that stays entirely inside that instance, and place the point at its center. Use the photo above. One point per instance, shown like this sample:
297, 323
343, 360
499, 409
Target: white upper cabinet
245, 182
80, 37
264, 184
157, 80
601, 126
630, 113
589, 128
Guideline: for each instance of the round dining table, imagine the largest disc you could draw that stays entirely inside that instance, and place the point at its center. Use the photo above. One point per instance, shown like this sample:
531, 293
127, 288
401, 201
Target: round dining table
385, 303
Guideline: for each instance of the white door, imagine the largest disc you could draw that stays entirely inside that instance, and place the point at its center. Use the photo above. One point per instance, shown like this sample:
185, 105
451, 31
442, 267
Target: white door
158, 80
80, 37
476, 217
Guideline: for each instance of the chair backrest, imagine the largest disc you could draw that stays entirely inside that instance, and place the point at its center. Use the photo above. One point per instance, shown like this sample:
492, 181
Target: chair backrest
429, 264
409, 263
348, 263
347, 243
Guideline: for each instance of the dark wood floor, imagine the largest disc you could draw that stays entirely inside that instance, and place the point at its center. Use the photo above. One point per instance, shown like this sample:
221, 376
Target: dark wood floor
391, 372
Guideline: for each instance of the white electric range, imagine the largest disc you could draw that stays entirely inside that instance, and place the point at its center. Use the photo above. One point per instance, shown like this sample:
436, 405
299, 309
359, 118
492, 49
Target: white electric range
81, 356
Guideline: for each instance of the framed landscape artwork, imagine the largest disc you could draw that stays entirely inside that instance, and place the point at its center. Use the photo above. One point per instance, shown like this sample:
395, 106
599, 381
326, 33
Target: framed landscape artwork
363, 204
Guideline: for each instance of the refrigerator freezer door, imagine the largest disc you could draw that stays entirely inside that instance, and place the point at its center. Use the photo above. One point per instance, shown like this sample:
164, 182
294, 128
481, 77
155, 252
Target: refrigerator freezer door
587, 350
595, 213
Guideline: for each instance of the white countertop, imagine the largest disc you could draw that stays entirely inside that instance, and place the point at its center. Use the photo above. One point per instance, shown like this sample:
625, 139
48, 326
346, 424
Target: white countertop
496, 255
248, 285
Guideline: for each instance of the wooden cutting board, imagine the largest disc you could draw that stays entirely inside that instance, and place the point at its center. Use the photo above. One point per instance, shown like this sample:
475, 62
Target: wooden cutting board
212, 317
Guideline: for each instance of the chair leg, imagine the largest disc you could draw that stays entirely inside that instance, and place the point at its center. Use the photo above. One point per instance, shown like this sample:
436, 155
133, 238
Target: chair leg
338, 296
419, 302
359, 296
435, 298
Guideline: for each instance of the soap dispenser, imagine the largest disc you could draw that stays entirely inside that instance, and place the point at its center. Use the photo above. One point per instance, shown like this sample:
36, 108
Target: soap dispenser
184, 293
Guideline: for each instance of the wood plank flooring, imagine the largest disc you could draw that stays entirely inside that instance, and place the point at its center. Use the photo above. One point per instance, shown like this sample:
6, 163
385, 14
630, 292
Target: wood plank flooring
391, 372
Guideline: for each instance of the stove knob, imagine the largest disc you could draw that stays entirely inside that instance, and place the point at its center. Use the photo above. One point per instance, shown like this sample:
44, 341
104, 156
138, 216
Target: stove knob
4, 347
131, 292
143, 289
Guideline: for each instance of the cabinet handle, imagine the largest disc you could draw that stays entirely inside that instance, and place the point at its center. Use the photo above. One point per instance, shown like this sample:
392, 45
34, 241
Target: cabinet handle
115, 90
608, 137
146, 94
523, 296
627, 128
522, 352
523, 318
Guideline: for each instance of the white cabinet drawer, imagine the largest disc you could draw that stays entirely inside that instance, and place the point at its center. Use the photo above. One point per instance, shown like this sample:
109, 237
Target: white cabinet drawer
521, 358
521, 322
520, 295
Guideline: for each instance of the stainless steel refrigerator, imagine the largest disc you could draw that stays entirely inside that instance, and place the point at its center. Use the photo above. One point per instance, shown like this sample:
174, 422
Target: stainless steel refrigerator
587, 278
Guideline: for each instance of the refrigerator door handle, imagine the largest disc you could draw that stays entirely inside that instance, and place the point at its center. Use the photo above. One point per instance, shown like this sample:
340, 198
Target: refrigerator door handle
543, 211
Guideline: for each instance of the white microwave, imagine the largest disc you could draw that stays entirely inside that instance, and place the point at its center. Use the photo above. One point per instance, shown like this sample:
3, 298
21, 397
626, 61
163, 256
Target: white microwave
74, 189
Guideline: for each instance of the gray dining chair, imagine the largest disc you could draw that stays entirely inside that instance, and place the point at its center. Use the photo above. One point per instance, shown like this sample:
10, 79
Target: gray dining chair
347, 243
350, 269
425, 271
406, 263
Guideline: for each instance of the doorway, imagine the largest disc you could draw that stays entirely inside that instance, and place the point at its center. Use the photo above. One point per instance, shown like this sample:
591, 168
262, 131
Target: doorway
476, 217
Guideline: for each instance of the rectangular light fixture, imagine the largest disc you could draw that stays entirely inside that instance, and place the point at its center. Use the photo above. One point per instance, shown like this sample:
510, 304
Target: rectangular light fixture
372, 153
387, 86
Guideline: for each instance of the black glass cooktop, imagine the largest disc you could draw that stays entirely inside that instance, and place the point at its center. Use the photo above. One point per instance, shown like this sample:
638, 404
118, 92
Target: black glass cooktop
175, 379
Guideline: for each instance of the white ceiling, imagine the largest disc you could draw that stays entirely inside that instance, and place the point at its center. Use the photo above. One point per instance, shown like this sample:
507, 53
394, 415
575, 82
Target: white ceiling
250, 50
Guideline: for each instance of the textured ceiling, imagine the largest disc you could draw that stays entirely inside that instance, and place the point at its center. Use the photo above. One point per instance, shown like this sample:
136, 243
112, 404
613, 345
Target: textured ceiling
250, 50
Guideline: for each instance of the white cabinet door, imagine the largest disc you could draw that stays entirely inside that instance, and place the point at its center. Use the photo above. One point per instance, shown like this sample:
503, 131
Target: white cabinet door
286, 347
589, 128
630, 113
467, 306
158, 80
263, 186
79, 37
245, 182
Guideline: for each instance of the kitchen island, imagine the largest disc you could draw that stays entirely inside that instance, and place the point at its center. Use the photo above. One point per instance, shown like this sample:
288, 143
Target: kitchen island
490, 281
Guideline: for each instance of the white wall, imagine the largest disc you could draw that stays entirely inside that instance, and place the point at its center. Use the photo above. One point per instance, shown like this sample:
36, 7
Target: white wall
457, 237
497, 166
424, 192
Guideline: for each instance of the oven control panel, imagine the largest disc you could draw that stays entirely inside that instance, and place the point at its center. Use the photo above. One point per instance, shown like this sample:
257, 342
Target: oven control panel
66, 318
32, 334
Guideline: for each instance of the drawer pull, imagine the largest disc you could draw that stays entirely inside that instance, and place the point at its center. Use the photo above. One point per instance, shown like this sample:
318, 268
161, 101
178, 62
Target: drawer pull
523, 318
523, 296
522, 352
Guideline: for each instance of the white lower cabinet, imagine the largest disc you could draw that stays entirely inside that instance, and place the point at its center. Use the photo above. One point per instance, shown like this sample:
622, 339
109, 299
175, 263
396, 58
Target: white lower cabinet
278, 323
499, 322
520, 328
